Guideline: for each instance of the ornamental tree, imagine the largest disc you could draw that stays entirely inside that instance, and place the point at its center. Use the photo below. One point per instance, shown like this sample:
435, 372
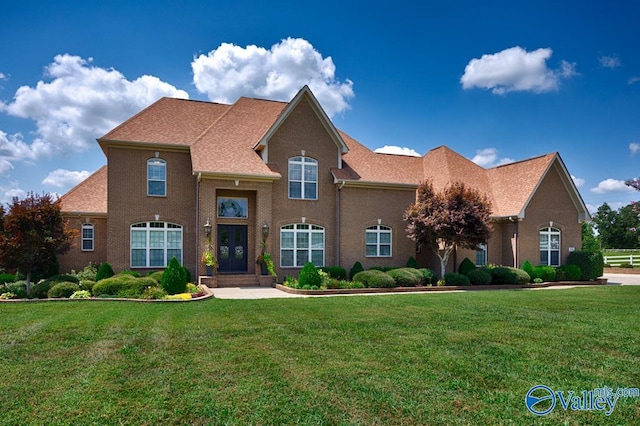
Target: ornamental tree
457, 216
32, 234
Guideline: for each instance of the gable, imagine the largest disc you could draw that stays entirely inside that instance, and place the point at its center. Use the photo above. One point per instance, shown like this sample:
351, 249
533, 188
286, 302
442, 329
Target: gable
89, 196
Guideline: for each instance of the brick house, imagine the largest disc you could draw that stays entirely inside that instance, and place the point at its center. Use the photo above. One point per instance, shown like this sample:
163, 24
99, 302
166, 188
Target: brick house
279, 176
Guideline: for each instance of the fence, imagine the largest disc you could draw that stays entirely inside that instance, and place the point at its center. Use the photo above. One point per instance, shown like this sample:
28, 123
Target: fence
622, 259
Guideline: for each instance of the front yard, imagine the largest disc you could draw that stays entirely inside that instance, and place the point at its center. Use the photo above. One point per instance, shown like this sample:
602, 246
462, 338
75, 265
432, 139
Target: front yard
457, 358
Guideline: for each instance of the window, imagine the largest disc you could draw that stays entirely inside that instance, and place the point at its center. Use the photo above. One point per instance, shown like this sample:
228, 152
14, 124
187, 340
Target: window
87, 237
481, 255
303, 178
550, 246
153, 244
301, 243
378, 241
156, 177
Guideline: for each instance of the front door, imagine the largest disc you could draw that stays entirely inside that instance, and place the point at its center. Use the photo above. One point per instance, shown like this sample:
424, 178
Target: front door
232, 248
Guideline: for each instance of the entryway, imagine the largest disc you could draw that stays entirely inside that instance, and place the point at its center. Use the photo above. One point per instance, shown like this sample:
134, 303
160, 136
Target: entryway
232, 248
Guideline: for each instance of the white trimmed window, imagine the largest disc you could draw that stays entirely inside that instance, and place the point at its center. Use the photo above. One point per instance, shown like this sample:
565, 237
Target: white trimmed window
87, 237
550, 246
156, 177
153, 244
378, 241
303, 178
301, 243
481, 255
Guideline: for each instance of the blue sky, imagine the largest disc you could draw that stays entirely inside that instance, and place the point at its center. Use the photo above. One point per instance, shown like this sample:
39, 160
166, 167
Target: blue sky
495, 81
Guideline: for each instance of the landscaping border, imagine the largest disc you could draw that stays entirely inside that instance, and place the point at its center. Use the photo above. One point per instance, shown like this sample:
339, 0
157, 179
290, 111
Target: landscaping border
420, 289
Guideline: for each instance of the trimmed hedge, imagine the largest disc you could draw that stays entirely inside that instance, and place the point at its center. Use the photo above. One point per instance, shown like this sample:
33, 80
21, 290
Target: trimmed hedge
455, 279
374, 278
479, 277
508, 275
122, 283
7, 278
466, 266
590, 263
357, 267
309, 276
428, 276
406, 277
337, 272
568, 273
63, 290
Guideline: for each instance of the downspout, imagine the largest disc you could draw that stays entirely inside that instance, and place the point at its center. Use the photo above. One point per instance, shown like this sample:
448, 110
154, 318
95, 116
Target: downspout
198, 223
338, 222
515, 240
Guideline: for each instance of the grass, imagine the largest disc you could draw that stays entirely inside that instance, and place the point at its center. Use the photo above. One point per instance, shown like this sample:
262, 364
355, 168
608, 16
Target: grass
456, 358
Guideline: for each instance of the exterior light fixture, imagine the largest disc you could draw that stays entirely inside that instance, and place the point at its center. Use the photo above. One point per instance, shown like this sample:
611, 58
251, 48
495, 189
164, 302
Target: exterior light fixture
207, 228
265, 231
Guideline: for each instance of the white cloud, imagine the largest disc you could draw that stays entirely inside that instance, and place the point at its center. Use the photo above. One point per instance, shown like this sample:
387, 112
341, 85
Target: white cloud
79, 103
62, 178
515, 69
488, 157
611, 185
231, 71
3, 76
397, 150
7, 193
609, 61
577, 181
634, 147
633, 80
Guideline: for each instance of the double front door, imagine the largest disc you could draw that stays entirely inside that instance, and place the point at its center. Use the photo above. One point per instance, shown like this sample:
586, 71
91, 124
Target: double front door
232, 248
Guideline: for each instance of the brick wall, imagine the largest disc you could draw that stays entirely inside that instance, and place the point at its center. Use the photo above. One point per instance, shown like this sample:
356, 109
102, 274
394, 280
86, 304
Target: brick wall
76, 258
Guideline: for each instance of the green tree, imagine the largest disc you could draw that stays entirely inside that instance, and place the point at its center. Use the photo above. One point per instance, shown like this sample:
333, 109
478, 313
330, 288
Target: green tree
455, 217
174, 280
32, 234
589, 240
617, 229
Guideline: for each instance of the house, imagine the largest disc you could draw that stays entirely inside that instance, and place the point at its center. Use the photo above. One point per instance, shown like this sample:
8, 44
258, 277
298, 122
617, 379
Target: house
271, 176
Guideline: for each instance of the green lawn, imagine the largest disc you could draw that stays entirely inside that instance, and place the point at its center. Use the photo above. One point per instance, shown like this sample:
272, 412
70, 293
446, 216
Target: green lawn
456, 358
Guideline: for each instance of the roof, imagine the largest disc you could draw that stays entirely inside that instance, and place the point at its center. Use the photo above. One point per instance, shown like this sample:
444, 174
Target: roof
89, 196
229, 141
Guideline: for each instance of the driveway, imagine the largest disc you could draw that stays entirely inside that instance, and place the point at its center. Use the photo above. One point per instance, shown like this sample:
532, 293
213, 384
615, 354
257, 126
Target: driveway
622, 279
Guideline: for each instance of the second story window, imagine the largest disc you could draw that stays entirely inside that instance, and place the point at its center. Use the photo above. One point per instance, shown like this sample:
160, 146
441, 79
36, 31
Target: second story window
303, 178
156, 177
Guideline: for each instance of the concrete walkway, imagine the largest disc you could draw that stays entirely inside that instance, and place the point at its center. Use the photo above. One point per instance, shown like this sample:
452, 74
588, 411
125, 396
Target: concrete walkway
274, 293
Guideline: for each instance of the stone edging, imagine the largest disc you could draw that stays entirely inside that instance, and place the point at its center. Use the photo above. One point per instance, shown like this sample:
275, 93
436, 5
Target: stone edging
420, 289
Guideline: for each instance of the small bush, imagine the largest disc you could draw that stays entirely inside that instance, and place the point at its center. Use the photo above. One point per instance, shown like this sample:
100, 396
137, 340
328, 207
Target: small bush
192, 288
63, 290
118, 283
105, 271
454, 278
309, 276
428, 276
157, 276
383, 268
509, 275
174, 278
479, 277
405, 277
132, 273
41, 289
466, 266
590, 263
18, 288
568, 273
153, 293
87, 285
412, 263
357, 267
530, 269
80, 294
350, 284
88, 273
7, 278
337, 272
375, 279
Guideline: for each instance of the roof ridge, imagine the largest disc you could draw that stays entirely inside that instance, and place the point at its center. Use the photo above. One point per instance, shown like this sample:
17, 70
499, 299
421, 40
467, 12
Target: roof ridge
554, 153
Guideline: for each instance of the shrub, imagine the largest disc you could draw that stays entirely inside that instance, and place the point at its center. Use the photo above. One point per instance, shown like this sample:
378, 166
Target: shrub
590, 263
466, 266
357, 267
383, 268
42, 288
132, 273
174, 279
404, 277
568, 273
18, 288
153, 293
375, 279
412, 263
454, 278
509, 275
87, 285
350, 284
309, 276
80, 294
63, 289
115, 285
105, 271
157, 276
7, 278
337, 272
530, 269
88, 273
547, 273
428, 277
479, 277
64, 277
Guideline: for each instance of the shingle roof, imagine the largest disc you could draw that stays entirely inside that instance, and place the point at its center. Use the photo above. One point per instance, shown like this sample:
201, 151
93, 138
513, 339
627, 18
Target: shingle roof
89, 196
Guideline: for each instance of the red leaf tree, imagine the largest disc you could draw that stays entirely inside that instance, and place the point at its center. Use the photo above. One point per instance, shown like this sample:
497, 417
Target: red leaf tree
457, 216
32, 233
